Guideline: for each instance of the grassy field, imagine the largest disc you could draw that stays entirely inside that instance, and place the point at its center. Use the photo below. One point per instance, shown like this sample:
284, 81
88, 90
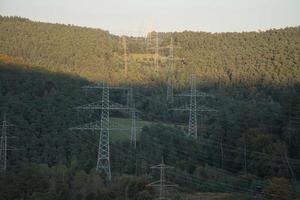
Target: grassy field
125, 123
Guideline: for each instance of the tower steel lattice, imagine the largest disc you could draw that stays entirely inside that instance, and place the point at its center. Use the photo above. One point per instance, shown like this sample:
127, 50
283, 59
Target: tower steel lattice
171, 70
3, 143
105, 125
103, 161
133, 130
125, 54
193, 129
162, 184
193, 107
170, 75
133, 126
153, 37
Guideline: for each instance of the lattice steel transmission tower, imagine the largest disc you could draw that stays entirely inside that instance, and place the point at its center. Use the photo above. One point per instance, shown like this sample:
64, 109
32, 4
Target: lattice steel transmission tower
154, 36
104, 126
193, 122
171, 70
3, 143
103, 161
133, 127
170, 73
162, 184
125, 54
133, 130
193, 107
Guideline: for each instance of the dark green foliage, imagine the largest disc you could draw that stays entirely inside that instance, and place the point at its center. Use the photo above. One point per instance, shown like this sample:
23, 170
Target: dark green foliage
254, 77
58, 47
264, 58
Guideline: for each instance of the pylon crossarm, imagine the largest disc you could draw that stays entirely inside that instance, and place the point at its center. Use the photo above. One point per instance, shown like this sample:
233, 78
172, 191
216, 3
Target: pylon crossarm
117, 106
172, 58
127, 110
7, 124
199, 109
181, 108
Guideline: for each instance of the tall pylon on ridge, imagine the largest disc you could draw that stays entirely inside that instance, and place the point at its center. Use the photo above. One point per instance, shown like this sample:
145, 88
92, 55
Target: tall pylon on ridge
149, 30
170, 73
193, 107
103, 158
125, 54
162, 183
171, 70
156, 55
153, 37
153, 43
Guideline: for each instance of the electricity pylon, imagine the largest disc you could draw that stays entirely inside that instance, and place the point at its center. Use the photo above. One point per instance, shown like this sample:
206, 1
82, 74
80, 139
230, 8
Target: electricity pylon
193, 108
133, 122
3, 144
170, 60
104, 127
124, 45
170, 73
193, 129
156, 47
133, 127
162, 183
131, 104
171, 70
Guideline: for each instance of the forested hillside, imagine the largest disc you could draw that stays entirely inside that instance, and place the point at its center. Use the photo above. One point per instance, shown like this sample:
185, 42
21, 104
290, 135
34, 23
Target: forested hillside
252, 140
270, 58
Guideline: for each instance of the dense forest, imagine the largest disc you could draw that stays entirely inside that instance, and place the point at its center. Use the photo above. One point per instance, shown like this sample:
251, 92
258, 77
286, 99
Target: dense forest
253, 140
269, 58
